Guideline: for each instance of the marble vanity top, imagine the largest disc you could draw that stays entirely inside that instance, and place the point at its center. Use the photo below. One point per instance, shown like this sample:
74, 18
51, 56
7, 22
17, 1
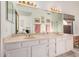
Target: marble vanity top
18, 38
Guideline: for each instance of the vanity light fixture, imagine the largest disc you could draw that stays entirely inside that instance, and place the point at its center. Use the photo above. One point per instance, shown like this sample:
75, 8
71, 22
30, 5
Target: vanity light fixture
28, 3
56, 10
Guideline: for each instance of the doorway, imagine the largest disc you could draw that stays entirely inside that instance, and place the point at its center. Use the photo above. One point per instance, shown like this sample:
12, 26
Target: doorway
68, 27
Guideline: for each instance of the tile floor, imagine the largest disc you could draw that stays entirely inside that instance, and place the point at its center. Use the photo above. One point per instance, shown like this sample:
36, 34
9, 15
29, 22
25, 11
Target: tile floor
74, 53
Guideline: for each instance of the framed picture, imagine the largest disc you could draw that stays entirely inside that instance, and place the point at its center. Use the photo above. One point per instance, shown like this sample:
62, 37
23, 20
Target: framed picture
9, 11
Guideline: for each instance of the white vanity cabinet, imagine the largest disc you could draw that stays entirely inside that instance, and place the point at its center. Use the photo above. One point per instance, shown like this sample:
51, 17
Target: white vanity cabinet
52, 47
15, 49
64, 44
69, 43
60, 46
40, 50
42, 47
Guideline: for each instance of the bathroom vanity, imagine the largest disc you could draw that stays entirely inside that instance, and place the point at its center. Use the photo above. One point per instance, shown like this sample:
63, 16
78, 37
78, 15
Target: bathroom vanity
40, 45
45, 44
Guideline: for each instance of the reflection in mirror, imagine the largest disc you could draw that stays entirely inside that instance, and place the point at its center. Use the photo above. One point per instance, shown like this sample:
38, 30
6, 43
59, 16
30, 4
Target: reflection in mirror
37, 20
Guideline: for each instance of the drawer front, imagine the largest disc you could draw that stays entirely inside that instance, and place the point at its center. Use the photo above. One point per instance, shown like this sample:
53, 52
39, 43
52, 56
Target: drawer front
43, 41
11, 46
52, 40
29, 43
22, 52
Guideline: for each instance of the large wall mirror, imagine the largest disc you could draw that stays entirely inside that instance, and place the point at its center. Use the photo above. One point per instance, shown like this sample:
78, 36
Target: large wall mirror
37, 20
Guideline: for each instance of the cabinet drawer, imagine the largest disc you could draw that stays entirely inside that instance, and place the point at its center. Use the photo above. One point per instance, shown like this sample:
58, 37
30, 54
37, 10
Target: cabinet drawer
11, 46
43, 41
29, 43
52, 40
22, 52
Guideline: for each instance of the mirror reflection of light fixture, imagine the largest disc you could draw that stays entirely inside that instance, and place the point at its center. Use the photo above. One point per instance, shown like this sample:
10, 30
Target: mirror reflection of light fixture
56, 10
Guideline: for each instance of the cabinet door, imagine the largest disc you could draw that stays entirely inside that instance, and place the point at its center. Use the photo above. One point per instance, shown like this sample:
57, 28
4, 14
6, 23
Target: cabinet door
69, 43
40, 50
22, 52
52, 50
60, 46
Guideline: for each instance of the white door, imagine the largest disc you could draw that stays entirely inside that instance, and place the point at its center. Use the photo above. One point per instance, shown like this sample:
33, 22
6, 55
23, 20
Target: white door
40, 50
